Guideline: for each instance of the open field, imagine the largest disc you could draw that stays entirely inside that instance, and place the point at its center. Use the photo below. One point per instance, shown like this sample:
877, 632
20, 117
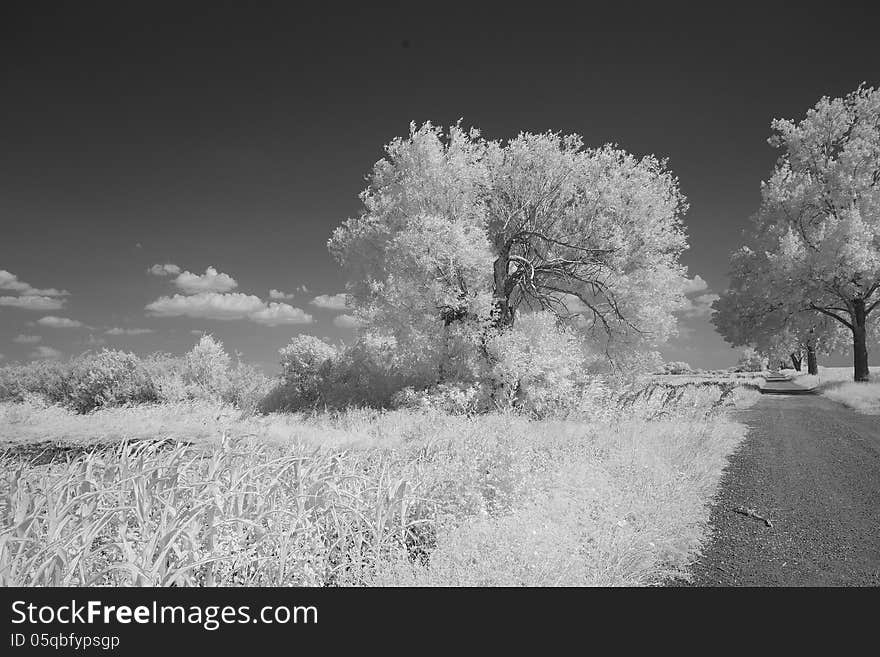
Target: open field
199, 493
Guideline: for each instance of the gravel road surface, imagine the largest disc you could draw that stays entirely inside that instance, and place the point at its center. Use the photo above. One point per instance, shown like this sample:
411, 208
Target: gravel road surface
811, 467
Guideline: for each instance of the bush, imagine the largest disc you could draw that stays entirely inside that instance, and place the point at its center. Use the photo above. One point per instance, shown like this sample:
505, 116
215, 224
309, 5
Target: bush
114, 378
452, 398
315, 375
108, 378
368, 373
207, 368
305, 364
677, 367
246, 387
89, 381
207, 373
537, 365
42, 378
167, 372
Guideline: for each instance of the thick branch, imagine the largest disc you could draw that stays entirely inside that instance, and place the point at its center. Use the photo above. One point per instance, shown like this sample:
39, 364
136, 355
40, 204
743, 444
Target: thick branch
825, 311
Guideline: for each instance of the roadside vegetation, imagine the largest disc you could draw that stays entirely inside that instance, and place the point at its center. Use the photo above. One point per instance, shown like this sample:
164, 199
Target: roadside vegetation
202, 488
836, 384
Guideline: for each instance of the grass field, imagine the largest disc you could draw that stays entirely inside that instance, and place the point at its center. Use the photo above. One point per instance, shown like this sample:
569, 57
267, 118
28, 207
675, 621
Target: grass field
202, 494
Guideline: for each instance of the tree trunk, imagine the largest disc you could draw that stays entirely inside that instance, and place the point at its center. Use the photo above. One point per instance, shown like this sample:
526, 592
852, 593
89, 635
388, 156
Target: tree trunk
860, 346
504, 313
796, 360
812, 362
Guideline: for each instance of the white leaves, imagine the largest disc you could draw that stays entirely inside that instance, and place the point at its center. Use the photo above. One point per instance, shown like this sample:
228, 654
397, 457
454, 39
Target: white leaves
440, 209
817, 232
819, 211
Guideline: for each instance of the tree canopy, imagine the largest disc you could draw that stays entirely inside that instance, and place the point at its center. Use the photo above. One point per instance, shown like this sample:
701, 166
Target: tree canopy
816, 240
459, 234
755, 312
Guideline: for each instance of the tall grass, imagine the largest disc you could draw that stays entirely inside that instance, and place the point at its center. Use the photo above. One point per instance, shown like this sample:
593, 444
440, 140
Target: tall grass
863, 396
836, 384
162, 514
360, 497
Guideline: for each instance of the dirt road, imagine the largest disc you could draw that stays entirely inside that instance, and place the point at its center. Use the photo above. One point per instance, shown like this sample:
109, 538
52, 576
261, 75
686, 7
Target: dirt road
812, 468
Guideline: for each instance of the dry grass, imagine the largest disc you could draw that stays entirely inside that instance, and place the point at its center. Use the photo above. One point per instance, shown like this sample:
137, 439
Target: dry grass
201, 494
836, 384
862, 397
626, 507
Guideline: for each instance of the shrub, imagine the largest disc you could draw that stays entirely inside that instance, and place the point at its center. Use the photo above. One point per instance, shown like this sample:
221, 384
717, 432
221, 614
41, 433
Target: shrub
113, 378
108, 378
315, 375
536, 365
368, 373
453, 398
44, 378
168, 374
245, 387
207, 368
305, 364
677, 367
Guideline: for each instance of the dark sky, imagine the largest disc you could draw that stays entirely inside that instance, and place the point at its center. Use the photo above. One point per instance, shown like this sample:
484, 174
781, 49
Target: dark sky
237, 137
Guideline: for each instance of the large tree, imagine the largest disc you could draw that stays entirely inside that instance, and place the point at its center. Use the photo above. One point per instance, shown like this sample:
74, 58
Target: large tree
819, 219
460, 233
756, 310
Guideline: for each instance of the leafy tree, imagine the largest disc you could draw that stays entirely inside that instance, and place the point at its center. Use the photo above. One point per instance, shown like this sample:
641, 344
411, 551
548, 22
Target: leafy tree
752, 312
303, 357
458, 234
305, 362
208, 365
819, 220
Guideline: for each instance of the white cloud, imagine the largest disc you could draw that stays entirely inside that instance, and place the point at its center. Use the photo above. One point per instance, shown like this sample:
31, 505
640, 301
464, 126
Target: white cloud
210, 281
700, 306
9, 281
332, 302
207, 305
127, 331
695, 284
346, 321
2, 356
27, 339
229, 306
95, 342
278, 294
33, 302
302, 289
59, 322
45, 352
280, 313
164, 270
